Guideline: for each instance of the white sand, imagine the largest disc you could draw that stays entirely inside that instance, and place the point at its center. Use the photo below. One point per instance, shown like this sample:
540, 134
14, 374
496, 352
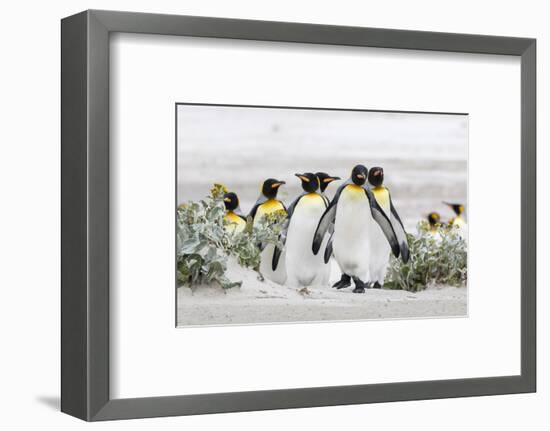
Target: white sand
267, 302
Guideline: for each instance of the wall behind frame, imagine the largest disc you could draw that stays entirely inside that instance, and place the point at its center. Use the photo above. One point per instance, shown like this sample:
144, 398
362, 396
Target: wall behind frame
29, 174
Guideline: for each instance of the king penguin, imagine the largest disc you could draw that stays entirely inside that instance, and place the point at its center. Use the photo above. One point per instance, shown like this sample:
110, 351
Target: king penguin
324, 181
268, 203
236, 221
379, 247
458, 220
351, 210
303, 268
433, 220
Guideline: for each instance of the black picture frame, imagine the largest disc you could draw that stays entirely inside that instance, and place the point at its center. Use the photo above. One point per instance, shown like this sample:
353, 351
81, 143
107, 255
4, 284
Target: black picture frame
85, 214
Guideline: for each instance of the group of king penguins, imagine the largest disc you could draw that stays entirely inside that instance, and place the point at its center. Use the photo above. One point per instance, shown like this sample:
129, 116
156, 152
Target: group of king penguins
359, 227
458, 221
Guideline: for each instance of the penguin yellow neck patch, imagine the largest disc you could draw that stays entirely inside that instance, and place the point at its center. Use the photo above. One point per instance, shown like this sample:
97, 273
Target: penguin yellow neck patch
312, 195
382, 196
269, 206
233, 218
355, 188
236, 223
354, 192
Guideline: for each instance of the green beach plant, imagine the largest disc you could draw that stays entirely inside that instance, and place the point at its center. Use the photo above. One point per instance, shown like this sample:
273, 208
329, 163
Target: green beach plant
204, 244
435, 259
246, 245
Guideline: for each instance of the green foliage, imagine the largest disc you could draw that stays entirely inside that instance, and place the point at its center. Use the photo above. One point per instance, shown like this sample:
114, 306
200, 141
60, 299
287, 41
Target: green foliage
436, 258
203, 243
246, 245
200, 241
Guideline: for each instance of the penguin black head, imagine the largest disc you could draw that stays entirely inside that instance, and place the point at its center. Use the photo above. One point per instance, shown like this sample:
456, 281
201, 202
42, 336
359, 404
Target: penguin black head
359, 175
433, 218
231, 201
325, 179
376, 176
310, 182
270, 187
457, 208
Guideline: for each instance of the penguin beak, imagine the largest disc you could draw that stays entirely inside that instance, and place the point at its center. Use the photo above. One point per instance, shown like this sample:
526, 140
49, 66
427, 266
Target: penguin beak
331, 179
277, 184
450, 205
302, 177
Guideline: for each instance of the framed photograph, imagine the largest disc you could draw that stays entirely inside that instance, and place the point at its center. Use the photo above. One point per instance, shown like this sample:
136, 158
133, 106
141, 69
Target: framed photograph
232, 223
267, 215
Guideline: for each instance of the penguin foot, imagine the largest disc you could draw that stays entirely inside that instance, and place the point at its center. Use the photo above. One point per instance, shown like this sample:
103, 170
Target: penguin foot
376, 285
345, 281
359, 285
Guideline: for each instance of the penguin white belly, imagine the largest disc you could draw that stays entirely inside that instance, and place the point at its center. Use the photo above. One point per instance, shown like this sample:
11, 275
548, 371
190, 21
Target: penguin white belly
380, 251
436, 236
462, 227
352, 231
302, 266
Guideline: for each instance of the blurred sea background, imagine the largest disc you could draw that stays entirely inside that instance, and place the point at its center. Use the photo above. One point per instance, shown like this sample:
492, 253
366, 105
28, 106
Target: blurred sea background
424, 156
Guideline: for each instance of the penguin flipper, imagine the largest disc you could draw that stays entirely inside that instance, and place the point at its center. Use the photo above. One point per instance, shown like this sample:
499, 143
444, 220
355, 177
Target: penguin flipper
384, 222
277, 251
328, 249
400, 233
327, 219
282, 237
275, 259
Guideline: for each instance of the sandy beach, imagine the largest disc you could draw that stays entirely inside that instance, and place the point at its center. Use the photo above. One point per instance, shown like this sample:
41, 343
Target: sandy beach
266, 302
